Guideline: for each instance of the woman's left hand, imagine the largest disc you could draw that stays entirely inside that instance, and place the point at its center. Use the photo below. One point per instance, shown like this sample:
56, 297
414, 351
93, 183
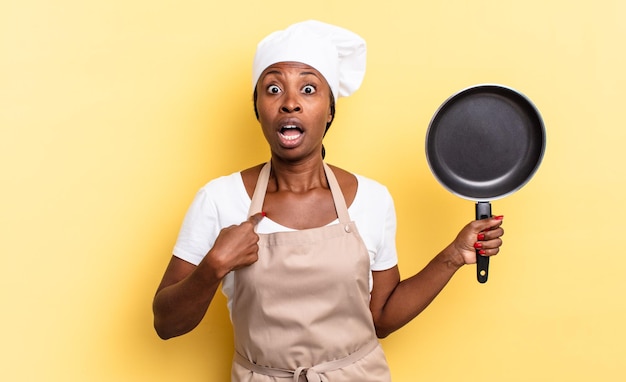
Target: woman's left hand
482, 235
394, 303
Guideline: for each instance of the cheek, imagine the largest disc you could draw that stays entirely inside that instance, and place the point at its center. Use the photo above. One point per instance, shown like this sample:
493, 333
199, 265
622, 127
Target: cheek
261, 111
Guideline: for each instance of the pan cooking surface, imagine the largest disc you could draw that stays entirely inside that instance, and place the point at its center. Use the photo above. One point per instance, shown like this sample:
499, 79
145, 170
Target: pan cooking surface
485, 142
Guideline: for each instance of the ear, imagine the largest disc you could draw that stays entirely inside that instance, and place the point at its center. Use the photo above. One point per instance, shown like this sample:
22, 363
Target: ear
331, 115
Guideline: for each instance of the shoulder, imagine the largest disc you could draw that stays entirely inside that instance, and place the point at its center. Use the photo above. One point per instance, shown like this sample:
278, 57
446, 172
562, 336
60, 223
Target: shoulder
370, 190
346, 178
347, 182
221, 193
219, 203
223, 184
371, 187
249, 177
373, 197
361, 190
374, 212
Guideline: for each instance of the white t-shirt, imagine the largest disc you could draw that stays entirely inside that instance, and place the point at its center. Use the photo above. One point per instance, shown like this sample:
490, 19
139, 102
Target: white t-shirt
224, 202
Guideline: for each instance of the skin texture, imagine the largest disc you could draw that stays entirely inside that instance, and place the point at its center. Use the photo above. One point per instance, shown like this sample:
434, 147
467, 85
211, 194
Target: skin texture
298, 196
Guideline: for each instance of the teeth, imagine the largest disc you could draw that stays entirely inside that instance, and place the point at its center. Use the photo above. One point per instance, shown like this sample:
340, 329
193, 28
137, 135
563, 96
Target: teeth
290, 137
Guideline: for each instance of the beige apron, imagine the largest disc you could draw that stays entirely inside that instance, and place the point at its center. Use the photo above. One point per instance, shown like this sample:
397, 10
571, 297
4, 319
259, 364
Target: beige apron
301, 312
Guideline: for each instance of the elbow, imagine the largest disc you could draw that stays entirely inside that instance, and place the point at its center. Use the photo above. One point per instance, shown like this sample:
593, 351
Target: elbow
165, 323
165, 333
383, 333
160, 325
162, 331
163, 336
380, 336
382, 330
166, 329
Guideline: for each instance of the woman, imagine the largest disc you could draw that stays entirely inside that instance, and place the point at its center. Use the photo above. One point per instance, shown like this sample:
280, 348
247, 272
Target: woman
304, 251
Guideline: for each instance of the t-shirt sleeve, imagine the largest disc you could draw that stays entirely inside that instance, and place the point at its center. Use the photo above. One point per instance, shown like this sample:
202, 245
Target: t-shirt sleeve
220, 203
386, 254
199, 229
375, 215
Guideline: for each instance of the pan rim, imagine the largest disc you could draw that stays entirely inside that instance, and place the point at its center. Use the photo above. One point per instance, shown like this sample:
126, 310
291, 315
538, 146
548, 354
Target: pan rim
531, 173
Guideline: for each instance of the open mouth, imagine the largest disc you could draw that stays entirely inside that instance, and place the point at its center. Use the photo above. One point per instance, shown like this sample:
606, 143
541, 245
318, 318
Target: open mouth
290, 132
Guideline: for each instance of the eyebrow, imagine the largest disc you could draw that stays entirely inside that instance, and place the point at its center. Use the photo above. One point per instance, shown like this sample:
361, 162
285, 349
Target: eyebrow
278, 72
272, 72
309, 73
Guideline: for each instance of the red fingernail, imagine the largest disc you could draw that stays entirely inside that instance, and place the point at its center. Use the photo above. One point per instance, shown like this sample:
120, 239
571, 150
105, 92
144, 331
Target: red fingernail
499, 217
481, 236
482, 252
478, 245
263, 213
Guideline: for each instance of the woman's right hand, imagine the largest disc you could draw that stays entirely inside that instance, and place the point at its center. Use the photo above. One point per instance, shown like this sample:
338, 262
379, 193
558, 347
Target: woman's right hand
186, 291
236, 246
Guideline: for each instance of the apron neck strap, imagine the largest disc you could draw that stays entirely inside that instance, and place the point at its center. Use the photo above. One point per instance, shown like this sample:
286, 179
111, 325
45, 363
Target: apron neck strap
259, 190
261, 187
340, 202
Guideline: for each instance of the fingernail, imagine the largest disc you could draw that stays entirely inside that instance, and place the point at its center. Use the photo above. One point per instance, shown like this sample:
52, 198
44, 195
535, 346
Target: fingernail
263, 213
478, 245
481, 236
499, 217
482, 252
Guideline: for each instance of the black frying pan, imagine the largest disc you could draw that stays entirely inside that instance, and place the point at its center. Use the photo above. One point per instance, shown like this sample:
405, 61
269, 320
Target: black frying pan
483, 143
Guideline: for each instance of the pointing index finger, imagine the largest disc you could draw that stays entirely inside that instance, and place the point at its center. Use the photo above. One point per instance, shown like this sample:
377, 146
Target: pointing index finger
256, 218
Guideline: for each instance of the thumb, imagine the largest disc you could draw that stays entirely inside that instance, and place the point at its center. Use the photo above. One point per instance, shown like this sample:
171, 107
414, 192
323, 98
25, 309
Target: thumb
256, 218
491, 223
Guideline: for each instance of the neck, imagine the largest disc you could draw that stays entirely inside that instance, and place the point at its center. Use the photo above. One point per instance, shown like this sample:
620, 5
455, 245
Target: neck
297, 177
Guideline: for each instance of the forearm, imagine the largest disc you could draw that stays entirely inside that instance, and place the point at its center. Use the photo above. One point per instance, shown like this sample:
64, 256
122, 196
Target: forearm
179, 308
412, 295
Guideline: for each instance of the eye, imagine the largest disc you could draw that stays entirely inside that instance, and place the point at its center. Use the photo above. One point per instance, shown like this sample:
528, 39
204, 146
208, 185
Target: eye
273, 89
308, 89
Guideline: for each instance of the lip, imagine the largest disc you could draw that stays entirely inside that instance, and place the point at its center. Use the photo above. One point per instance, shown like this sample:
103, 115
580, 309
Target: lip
290, 132
290, 122
290, 139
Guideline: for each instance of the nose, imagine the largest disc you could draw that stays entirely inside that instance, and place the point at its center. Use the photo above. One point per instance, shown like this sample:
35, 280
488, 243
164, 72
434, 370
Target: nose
291, 104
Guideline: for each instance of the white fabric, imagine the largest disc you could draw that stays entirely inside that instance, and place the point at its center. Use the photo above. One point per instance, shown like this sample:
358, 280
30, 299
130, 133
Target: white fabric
224, 202
337, 53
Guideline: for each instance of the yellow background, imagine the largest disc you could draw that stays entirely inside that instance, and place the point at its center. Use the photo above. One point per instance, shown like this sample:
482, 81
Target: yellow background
113, 114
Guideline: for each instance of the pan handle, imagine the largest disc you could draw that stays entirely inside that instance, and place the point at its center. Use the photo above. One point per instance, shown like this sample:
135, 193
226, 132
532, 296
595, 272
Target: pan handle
483, 211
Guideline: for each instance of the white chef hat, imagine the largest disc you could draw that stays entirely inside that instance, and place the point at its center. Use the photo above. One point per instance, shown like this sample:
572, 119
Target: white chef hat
337, 53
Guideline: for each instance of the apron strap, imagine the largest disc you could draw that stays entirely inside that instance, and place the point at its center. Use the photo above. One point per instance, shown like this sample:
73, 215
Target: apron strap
261, 187
312, 374
340, 202
259, 190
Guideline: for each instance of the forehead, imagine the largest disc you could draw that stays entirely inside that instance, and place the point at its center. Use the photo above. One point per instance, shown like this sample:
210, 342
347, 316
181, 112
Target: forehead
291, 67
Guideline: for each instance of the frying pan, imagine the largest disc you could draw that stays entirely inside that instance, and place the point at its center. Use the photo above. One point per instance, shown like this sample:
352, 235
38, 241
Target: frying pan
484, 143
